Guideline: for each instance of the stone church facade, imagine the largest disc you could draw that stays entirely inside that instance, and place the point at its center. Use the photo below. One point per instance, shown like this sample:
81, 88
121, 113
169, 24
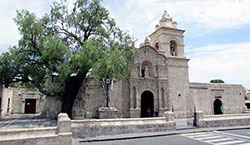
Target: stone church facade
159, 82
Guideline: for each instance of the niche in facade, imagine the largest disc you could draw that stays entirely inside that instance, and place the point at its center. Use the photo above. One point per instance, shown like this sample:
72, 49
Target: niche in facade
147, 69
157, 46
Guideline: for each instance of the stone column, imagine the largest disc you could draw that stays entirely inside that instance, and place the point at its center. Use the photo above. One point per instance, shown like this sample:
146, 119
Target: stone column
139, 70
160, 98
131, 98
135, 98
138, 96
134, 112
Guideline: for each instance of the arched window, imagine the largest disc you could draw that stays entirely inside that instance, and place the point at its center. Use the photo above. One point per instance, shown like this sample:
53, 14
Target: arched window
218, 107
173, 48
157, 46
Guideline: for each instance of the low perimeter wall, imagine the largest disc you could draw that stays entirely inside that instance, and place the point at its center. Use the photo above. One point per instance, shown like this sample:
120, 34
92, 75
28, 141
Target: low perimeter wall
97, 127
221, 120
60, 135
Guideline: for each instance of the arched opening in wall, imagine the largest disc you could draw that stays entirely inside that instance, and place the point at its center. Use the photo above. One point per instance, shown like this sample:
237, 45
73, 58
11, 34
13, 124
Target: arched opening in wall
173, 48
218, 107
157, 46
147, 104
147, 69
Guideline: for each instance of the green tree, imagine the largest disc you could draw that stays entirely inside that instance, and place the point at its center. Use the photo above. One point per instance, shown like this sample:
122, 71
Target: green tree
217, 81
56, 52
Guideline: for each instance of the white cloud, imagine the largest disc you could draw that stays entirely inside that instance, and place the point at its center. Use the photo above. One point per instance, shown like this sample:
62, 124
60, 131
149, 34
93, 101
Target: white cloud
229, 62
8, 30
196, 16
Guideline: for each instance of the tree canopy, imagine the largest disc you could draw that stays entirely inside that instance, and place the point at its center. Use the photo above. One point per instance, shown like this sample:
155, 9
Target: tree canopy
57, 51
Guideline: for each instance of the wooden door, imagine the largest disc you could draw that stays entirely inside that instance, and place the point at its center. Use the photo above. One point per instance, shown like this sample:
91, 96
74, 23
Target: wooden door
30, 106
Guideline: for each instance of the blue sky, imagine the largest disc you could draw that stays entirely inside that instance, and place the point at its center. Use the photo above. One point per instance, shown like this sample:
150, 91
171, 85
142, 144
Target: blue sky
217, 37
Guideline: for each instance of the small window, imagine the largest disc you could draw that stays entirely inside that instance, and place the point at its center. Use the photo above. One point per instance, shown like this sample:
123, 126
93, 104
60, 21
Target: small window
157, 45
173, 48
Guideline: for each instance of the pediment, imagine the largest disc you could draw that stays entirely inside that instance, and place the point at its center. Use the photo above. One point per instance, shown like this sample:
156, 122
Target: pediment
148, 53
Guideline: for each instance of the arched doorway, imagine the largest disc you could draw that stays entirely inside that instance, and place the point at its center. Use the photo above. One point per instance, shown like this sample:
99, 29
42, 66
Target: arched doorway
147, 104
218, 108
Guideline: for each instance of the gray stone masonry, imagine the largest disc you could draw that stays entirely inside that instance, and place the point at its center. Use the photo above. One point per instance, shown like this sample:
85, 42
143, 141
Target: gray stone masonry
98, 127
169, 116
107, 112
221, 120
63, 124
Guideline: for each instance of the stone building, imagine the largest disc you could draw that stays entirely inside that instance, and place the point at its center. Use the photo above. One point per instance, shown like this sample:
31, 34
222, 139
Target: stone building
159, 82
20, 101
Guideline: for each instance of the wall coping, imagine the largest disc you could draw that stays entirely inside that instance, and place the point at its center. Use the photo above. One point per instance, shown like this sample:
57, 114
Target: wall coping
28, 137
225, 118
214, 84
27, 129
119, 120
226, 115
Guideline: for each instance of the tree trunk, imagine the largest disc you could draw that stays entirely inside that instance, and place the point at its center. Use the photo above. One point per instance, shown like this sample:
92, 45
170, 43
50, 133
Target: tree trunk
71, 90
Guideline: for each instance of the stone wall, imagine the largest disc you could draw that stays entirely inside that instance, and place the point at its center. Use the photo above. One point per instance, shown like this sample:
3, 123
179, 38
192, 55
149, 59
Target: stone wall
6, 95
97, 127
202, 96
91, 97
221, 120
60, 135
178, 85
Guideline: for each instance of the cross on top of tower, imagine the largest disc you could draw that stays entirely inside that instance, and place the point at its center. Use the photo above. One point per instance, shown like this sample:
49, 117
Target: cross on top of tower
166, 21
166, 16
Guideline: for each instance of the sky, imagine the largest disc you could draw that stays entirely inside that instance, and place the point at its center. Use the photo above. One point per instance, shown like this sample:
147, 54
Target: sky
217, 37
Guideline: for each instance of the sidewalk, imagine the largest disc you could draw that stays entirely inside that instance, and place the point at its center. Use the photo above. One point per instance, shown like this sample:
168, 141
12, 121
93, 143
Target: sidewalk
154, 134
25, 121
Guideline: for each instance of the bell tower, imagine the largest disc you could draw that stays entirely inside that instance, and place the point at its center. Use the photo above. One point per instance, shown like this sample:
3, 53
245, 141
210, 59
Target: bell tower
167, 39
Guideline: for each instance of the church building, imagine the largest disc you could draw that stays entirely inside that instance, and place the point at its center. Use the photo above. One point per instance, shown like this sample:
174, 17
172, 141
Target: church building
159, 82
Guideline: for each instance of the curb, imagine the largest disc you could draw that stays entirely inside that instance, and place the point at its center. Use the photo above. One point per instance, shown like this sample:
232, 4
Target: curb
175, 132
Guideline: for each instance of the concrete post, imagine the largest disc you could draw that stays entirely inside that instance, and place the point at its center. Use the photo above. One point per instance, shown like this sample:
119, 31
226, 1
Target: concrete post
244, 109
64, 129
63, 124
169, 115
199, 115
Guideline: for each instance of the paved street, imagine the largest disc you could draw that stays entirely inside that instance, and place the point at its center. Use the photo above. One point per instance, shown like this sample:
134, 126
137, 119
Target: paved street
232, 137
